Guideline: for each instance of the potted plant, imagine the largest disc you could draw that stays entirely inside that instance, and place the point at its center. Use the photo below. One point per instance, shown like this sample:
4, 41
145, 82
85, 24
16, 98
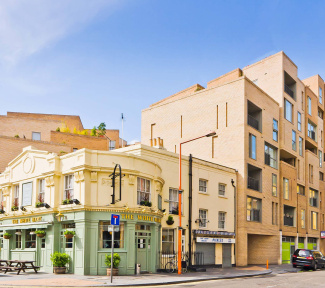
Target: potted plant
170, 220
14, 208
116, 263
40, 233
2, 211
59, 260
7, 235
146, 203
39, 204
69, 234
67, 201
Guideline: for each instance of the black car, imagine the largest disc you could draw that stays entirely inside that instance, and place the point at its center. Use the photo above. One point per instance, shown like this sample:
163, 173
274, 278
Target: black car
308, 258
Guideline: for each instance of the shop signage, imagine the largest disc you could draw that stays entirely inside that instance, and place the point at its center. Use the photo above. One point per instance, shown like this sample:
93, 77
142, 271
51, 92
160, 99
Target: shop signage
27, 194
322, 234
27, 220
140, 218
214, 240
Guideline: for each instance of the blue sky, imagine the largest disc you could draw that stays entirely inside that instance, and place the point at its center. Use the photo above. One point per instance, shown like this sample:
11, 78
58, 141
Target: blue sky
99, 58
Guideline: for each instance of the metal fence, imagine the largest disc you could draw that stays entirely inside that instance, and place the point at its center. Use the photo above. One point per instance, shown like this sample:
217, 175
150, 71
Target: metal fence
171, 256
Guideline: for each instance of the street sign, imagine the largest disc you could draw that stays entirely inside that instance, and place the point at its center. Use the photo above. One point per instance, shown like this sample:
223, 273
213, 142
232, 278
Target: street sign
115, 219
111, 228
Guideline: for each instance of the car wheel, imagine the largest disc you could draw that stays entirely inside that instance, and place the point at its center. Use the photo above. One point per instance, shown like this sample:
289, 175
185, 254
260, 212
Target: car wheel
294, 265
315, 267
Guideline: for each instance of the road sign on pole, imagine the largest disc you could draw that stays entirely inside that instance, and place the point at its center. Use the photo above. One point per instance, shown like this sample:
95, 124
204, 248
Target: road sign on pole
112, 254
115, 219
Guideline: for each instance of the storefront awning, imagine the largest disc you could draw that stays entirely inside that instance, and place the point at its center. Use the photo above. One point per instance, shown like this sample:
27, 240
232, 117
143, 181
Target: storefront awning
37, 225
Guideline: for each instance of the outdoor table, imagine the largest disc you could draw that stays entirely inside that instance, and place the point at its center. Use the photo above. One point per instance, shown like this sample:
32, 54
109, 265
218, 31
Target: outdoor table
19, 265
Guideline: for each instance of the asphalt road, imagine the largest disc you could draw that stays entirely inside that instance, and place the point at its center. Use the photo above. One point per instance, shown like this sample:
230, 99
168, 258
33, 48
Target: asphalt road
298, 280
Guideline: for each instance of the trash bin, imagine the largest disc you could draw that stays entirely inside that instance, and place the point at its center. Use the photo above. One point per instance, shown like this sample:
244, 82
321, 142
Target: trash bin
137, 269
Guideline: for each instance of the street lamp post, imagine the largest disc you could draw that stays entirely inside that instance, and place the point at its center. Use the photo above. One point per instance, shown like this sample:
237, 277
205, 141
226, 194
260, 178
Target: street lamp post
180, 200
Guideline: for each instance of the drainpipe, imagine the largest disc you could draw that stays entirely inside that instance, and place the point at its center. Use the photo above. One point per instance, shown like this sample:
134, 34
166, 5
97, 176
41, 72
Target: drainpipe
190, 211
235, 210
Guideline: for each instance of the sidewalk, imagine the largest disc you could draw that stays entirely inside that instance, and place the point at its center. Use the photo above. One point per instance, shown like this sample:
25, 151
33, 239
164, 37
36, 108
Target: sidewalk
30, 279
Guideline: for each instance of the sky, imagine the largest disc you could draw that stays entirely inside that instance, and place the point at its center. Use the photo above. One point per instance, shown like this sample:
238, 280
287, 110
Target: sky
100, 58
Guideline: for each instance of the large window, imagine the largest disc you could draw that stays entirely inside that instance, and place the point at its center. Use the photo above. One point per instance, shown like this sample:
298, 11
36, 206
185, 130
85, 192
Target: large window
288, 110
312, 130
300, 146
252, 146
222, 220
222, 189
68, 186
254, 209
105, 237
271, 157
274, 185
167, 242
320, 95
203, 185
203, 218
299, 121
275, 130
41, 192
294, 140
286, 188
173, 201
30, 238
309, 105
314, 220
303, 218
143, 190
36, 136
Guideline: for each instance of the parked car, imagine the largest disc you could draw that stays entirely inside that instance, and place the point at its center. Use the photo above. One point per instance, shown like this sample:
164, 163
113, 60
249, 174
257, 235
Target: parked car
308, 258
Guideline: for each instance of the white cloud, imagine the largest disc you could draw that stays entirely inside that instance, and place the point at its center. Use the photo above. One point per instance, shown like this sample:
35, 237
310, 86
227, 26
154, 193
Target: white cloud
28, 26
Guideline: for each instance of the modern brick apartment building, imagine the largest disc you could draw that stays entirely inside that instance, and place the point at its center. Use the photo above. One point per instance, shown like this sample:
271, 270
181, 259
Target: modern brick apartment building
269, 127
18, 130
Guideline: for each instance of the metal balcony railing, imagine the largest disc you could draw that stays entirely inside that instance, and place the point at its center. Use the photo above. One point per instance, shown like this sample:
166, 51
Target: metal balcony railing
253, 183
288, 220
253, 122
288, 90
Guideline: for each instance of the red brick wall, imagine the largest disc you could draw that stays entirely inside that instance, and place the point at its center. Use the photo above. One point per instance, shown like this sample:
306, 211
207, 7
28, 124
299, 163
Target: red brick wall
11, 147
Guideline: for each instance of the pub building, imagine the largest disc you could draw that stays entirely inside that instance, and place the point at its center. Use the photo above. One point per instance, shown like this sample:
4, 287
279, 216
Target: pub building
40, 190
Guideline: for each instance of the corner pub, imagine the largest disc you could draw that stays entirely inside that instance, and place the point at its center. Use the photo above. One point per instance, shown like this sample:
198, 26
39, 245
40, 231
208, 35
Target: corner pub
40, 190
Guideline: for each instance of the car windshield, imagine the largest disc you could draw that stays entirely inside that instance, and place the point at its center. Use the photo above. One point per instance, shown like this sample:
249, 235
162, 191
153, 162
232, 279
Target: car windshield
304, 253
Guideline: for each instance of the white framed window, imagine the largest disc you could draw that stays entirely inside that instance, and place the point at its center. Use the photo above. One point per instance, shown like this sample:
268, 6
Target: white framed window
203, 218
41, 192
203, 186
112, 144
173, 201
16, 196
68, 186
222, 189
168, 241
36, 136
222, 220
143, 190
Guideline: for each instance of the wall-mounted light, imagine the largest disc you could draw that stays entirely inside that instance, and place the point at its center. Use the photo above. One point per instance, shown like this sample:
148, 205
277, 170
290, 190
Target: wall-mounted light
60, 217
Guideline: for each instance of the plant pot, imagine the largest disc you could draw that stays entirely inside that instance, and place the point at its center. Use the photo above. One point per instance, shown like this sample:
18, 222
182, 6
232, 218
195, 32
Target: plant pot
6, 237
59, 270
40, 235
115, 271
170, 222
69, 236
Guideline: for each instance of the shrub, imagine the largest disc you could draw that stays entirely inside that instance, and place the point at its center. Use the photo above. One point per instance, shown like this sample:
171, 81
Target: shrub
57, 129
93, 132
60, 259
17, 136
116, 260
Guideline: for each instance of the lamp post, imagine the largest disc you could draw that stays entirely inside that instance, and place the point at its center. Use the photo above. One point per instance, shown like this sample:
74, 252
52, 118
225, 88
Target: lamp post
180, 200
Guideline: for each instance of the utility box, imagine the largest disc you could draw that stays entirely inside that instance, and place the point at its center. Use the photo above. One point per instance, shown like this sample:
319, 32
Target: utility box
137, 269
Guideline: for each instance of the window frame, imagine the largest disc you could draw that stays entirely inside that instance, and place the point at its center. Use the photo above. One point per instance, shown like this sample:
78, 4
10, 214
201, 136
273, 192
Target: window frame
274, 176
299, 124
275, 130
167, 237
286, 192
309, 105
203, 222
36, 133
258, 202
294, 140
286, 114
205, 187
222, 190
252, 152
300, 144
69, 186
267, 148
140, 192
222, 220
320, 92
303, 218
119, 236
312, 220
41, 190
174, 190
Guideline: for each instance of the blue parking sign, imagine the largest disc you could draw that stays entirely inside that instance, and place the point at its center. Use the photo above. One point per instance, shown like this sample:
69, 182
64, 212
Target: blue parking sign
115, 219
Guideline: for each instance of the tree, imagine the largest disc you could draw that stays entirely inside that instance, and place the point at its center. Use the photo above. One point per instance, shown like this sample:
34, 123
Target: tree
93, 131
102, 129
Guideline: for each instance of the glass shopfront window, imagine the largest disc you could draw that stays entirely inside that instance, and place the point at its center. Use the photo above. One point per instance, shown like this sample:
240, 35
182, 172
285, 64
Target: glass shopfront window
18, 239
105, 237
30, 239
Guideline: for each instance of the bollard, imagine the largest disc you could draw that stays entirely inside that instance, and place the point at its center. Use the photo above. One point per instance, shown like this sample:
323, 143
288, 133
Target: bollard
267, 264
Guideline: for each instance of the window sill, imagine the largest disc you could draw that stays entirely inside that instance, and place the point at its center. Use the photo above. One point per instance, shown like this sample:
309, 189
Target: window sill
204, 193
224, 197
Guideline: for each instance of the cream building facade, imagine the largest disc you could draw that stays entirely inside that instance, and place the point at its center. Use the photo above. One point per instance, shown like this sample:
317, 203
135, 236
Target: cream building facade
43, 191
269, 127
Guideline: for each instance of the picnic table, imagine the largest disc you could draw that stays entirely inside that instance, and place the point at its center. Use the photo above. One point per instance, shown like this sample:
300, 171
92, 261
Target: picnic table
18, 265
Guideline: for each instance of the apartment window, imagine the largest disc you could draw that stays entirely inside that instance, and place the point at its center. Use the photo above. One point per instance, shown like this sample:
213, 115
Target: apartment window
320, 114
320, 95
274, 213
30, 238
252, 146
321, 176
300, 146
68, 186
320, 155
254, 209
311, 173
288, 110
41, 192
274, 185
16, 196
143, 190
294, 144
309, 106
299, 121
286, 188
275, 130
271, 158
203, 217
167, 241
36, 136
173, 201
314, 220
298, 168
312, 130
313, 197
222, 220
222, 189
303, 218
105, 237
112, 144
203, 185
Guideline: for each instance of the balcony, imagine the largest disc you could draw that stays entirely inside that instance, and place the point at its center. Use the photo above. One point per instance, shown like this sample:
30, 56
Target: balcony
289, 216
288, 220
254, 177
289, 85
253, 122
254, 116
253, 183
289, 91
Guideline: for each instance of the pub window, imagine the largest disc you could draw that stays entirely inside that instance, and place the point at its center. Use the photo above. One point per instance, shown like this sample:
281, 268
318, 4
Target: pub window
68, 186
143, 190
167, 244
18, 239
30, 238
105, 237
41, 191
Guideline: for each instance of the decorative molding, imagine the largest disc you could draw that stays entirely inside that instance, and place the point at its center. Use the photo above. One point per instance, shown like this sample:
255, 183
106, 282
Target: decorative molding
49, 181
132, 179
93, 176
106, 181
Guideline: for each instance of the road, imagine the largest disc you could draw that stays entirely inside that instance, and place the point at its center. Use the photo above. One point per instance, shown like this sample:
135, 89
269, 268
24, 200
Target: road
298, 280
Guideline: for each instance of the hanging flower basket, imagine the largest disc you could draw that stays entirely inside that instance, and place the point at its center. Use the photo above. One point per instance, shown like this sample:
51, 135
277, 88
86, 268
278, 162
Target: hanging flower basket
170, 220
7, 236
69, 234
40, 233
